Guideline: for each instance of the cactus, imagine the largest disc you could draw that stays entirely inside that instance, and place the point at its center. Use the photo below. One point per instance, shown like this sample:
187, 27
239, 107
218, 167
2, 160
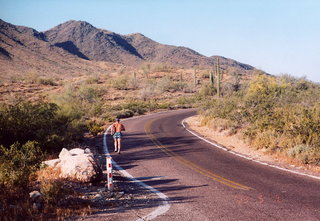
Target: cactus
212, 77
218, 76
134, 75
195, 77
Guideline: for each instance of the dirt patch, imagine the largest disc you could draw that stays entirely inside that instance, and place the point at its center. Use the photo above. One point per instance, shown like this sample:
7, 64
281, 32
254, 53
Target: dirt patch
236, 144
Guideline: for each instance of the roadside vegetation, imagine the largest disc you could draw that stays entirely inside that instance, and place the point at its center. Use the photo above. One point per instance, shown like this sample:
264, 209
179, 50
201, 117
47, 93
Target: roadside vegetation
278, 114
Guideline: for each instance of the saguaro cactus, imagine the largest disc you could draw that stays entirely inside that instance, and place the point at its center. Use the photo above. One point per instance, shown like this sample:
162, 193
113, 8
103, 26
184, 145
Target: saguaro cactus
218, 77
212, 76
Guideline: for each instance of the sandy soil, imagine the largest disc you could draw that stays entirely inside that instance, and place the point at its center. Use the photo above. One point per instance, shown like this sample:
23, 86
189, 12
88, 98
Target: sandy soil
237, 145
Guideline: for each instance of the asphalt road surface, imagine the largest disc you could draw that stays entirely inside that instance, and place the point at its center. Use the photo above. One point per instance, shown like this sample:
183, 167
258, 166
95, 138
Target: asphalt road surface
207, 183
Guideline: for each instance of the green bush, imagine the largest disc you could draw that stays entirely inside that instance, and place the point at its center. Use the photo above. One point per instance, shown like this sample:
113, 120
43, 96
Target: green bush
42, 122
94, 128
80, 101
18, 162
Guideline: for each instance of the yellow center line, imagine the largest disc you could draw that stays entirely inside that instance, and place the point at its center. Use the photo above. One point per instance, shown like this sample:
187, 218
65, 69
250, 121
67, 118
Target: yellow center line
191, 165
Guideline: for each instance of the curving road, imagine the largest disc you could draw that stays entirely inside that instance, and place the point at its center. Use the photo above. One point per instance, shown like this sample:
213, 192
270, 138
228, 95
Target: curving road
207, 183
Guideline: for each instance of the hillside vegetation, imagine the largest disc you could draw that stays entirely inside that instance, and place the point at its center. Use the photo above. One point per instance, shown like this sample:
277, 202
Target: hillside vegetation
279, 114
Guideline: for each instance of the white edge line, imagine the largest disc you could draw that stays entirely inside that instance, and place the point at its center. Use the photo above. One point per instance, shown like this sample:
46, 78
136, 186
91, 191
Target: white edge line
162, 208
246, 157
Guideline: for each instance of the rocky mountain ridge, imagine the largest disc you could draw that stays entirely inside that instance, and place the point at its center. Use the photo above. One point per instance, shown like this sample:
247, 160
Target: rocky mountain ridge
77, 46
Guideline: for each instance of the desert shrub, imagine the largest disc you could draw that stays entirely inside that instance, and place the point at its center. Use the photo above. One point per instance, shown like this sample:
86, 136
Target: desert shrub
15, 79
146, 69
137, 107
186, 100
18, 162
124, 113
94, 128
134, 83
261, 97
80, 101
32, 77
207, 90
162, 67
166, 84
165, 105
47, 81
140, 107
148, 92
304, 153
93, 79
297, 150
120, 83
53, 191
205, 75
188, 88
267, 139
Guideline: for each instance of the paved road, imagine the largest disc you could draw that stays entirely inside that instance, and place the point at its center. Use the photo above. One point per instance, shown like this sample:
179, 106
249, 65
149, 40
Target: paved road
206, 183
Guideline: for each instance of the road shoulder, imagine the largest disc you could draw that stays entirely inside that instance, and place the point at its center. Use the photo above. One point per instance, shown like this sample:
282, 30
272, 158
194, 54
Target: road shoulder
236, 145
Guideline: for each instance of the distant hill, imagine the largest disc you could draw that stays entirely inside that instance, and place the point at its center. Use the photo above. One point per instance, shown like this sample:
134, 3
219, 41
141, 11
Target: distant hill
78, 47
24, 50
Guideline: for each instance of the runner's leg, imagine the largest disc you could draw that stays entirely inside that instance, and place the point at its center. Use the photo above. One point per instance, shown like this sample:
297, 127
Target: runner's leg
119, 144
115, 145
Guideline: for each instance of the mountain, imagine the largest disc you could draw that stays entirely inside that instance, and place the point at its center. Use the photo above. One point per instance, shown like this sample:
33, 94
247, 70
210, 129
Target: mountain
92, 43
77, 47
24, 50
103, 45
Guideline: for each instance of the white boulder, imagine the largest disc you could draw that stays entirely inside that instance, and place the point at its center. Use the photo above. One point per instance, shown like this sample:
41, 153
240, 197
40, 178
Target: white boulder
76, 151
77, 164
64, 154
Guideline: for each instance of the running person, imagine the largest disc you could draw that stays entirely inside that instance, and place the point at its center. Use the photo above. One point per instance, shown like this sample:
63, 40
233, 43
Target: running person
116, 129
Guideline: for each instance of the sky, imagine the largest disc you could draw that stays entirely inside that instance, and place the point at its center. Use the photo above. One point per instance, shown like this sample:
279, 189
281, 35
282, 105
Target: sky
276, 36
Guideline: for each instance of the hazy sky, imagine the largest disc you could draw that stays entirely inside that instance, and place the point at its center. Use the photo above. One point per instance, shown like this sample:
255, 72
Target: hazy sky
277, 36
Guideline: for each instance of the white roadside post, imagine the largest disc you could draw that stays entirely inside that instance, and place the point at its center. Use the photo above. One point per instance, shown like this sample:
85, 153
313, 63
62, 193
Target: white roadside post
109, 173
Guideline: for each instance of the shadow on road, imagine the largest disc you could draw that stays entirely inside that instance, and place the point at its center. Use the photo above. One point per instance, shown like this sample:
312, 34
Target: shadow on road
138, 147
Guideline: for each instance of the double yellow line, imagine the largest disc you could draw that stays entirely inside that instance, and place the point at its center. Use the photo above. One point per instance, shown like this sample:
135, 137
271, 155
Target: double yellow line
191, 165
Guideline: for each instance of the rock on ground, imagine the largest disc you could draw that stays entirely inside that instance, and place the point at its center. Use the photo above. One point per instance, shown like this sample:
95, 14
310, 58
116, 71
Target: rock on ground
77, 164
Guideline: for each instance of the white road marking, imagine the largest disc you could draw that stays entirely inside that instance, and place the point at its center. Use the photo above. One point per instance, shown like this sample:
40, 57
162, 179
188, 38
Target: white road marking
162, 208
246, 157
